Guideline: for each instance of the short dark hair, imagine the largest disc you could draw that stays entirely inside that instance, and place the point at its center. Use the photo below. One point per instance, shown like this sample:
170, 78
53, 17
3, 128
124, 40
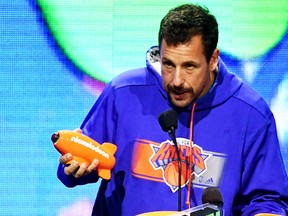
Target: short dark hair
185, 21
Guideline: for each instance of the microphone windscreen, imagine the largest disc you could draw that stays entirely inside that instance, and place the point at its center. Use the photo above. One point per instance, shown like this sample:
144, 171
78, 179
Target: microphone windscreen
168, 120
213, 196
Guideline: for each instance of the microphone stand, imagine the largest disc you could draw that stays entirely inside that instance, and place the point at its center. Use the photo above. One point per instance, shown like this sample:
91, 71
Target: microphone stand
173, 138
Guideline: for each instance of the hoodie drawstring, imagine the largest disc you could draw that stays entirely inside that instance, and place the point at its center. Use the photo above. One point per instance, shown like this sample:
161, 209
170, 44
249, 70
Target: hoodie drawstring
190, 156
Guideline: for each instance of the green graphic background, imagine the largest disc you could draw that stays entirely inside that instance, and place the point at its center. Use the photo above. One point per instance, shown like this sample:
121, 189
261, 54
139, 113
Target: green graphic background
96, 35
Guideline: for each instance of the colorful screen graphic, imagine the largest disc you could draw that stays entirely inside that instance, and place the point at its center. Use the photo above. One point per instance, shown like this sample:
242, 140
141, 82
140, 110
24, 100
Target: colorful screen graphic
56, 57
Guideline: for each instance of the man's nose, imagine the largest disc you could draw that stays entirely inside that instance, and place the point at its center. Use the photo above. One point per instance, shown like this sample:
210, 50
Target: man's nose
178, 79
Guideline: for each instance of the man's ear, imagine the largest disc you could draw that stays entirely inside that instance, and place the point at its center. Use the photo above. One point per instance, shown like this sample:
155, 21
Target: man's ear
214, 60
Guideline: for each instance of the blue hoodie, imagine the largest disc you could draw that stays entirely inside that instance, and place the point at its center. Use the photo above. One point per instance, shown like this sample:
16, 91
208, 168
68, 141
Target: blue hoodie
228, 139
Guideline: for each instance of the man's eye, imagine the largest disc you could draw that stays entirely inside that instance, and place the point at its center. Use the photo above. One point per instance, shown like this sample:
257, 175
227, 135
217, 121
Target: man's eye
167, 65
190, 67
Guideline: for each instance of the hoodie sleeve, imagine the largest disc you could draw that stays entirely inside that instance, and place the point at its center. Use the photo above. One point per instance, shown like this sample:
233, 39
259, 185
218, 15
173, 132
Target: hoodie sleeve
71, 181
264, 186
99, 125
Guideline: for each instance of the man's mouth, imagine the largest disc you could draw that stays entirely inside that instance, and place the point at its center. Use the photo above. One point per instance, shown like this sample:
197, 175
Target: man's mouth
178, 95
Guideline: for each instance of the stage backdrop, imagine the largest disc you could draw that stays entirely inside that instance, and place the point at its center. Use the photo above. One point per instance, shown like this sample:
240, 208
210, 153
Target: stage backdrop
56, 57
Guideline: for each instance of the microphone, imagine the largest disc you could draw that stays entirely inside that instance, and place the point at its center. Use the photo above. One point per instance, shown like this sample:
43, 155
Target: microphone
213, 196
168, 121
212, 204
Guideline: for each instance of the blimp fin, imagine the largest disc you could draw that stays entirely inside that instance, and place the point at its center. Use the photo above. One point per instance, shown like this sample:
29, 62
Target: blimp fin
109, 147
104, 173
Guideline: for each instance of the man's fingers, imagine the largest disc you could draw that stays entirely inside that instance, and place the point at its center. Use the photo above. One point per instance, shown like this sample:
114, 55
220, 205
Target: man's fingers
78, 130
72, 168
93, 165
75, 169
81, 170
65, 158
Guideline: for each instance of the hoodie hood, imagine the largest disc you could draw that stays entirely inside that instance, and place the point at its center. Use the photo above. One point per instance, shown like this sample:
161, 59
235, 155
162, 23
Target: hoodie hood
224, 87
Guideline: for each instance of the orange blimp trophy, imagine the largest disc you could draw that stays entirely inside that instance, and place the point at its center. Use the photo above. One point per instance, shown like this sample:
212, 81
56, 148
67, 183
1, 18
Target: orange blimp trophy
85, 150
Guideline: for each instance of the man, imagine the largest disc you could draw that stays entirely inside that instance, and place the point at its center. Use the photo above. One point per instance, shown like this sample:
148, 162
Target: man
226, 132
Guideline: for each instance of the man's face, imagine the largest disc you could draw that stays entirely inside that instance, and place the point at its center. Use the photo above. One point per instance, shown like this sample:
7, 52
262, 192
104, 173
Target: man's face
185, 72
